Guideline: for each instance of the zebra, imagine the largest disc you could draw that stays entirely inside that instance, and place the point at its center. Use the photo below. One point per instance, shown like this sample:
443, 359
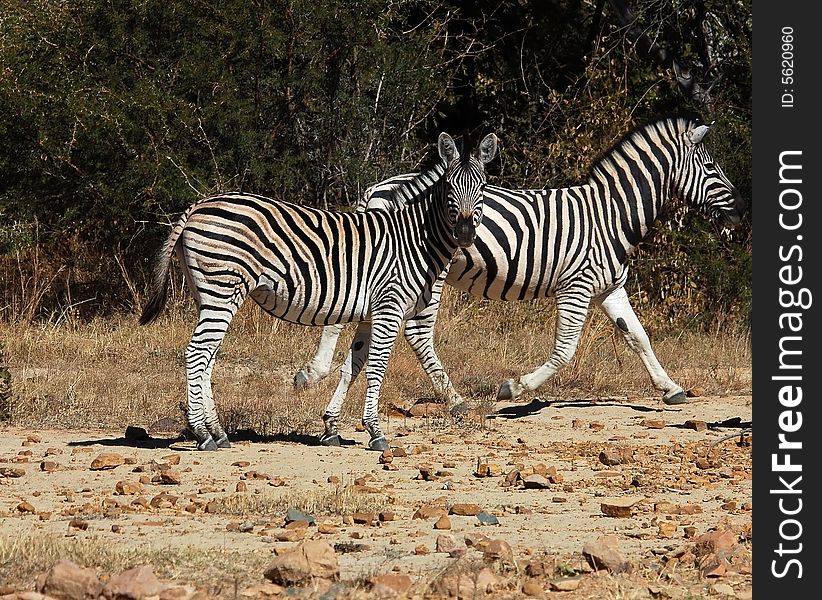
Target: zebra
318, 267
571, 243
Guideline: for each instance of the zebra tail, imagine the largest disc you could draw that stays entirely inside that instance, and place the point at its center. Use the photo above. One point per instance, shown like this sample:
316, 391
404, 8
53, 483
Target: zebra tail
158, 289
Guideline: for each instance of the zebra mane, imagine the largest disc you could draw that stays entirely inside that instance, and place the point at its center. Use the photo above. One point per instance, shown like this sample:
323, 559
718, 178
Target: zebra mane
413, 189
677, 121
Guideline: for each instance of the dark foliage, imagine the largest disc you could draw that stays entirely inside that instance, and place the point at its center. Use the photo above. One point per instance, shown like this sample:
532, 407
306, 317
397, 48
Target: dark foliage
116, 115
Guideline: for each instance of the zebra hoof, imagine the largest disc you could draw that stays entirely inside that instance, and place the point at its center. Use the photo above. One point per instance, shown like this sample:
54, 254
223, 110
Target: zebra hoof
301, 380
508, 391
223, 442
678, 398
379, 444
208, 444
331, 440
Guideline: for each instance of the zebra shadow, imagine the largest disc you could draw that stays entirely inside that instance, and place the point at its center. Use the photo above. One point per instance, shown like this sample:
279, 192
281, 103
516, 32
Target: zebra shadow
535, 406
183, 442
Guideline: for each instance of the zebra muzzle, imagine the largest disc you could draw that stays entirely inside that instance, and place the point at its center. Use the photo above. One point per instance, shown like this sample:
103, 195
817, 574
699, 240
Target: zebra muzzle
464, 232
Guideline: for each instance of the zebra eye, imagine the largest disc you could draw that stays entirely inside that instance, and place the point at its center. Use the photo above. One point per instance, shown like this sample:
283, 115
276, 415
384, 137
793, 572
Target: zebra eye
709, 166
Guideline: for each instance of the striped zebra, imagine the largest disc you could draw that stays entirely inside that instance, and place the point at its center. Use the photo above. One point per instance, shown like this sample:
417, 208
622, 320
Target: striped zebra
571, 243
316, 267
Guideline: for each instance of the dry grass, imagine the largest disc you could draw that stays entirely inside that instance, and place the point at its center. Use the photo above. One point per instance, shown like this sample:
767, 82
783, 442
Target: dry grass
111, 372
222, 572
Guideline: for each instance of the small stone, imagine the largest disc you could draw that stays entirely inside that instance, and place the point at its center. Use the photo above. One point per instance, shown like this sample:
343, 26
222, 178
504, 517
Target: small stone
421, 550
653, 423
294, 514
567, 584
536, 482
78, 524
464, 509
12, 472
26, 507
486, 518
443, 523
696, 425
106, 461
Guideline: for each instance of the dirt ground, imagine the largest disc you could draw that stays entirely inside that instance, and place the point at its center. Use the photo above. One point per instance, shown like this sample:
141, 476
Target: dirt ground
679, 471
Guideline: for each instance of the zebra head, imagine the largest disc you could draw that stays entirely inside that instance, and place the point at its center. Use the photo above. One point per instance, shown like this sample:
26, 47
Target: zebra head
464, 185
704, 185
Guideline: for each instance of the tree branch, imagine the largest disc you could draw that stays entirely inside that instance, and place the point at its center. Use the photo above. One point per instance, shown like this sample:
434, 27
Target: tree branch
660, 55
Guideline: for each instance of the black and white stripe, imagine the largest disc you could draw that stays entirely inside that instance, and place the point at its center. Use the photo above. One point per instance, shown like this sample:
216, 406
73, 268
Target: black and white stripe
316, 267
574, 244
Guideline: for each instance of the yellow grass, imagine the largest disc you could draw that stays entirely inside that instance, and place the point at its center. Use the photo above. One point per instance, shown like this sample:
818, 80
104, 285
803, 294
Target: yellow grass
111, 372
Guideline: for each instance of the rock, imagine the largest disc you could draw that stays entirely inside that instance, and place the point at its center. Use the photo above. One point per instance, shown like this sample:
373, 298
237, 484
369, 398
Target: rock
107, 460
136, 433
134, 584
667, 529
695, 392
474, 539
696, 425
443, 523
610, 458
717, 541
542, 565
294, 514
429, 511
311, 559
619, 507
604, 553
533, 588
499, 551
566, 584
464, 509
128, 488
536, 482
390, 585
445, 543
465, 586
12, 472
167, 477
653, 423
26, 507
486, 518
67, 580
363, 518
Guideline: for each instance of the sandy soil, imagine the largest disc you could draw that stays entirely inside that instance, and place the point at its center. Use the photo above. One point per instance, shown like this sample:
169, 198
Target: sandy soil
667, 460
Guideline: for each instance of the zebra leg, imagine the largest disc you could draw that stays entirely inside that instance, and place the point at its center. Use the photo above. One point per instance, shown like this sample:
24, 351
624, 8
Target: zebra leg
618, 308
320, 365
348, 373
572, 310
384, 333
200, 356
212, 421
419, 332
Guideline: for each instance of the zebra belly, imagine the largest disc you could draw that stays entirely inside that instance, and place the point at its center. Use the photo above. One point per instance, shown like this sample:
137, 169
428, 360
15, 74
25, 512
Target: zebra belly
296, 300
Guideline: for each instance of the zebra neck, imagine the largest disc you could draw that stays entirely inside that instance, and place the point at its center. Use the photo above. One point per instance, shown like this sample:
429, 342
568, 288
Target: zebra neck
427, 228
632, 198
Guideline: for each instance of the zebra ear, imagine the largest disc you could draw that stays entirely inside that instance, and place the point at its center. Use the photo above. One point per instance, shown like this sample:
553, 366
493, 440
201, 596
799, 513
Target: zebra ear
447, 148
696, 134
488, 148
